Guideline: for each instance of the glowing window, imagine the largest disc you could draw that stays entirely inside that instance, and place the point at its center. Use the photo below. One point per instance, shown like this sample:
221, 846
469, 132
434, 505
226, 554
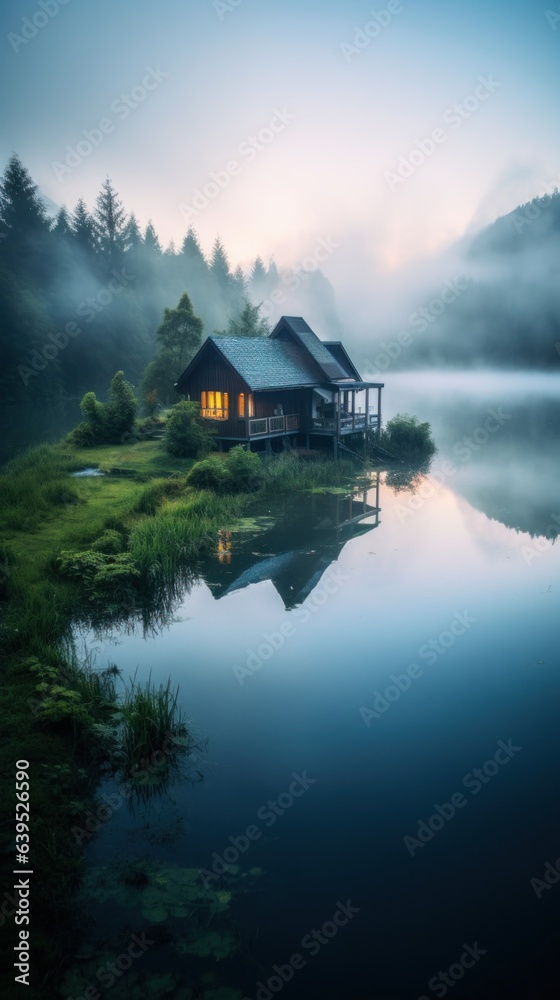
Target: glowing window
242, 401
214, 405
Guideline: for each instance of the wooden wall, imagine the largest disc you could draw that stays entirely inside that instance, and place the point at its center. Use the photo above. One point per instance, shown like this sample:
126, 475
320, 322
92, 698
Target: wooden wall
212, 373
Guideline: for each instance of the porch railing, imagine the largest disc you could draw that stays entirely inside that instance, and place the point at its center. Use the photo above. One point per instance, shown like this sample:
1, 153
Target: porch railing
347, 422
273, 425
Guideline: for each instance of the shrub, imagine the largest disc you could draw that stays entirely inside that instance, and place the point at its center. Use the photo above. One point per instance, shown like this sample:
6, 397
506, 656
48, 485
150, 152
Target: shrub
106, 423
245, 468
211, 474
185, 436
110, 542
103, 575
407, 438
85, 435
121, 409
155, 492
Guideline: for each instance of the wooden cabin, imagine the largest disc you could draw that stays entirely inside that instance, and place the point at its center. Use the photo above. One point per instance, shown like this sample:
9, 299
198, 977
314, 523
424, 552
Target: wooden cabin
289, 386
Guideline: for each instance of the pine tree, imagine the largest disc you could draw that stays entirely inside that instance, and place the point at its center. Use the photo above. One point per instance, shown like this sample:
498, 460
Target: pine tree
258, 276
191, 251
151, 241
272, 278
110, 224
239, 282
23, 217
132, 234
219, 265
61, 226
83, 228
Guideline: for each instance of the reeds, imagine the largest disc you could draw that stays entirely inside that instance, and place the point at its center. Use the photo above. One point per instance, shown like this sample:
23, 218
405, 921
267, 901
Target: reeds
152, 729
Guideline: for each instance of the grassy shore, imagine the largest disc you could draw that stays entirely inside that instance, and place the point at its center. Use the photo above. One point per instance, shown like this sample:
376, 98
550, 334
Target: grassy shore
128, 532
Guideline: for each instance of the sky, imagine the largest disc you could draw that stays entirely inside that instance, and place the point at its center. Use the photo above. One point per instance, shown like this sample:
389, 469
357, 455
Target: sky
281, 124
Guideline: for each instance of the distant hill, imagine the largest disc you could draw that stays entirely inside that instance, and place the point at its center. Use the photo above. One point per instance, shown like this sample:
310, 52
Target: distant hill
523, 231
509, 314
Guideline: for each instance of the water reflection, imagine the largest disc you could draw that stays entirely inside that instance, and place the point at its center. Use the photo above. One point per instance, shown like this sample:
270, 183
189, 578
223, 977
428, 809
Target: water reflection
296, 545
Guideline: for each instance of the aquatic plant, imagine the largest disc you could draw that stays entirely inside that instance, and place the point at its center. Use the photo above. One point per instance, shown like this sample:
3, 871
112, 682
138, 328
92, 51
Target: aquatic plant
289, 473
151, 726
168, 891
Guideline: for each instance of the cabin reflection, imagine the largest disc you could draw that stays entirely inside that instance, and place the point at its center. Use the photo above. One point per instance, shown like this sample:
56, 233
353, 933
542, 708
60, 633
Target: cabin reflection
308, 533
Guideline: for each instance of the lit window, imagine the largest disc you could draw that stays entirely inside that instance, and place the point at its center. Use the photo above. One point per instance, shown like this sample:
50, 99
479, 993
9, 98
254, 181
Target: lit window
214, 405
243, 400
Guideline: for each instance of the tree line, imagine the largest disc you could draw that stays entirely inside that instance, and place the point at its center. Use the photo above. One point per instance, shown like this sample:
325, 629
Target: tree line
85, 293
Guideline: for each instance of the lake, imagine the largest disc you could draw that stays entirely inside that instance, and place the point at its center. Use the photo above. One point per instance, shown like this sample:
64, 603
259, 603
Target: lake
374, 683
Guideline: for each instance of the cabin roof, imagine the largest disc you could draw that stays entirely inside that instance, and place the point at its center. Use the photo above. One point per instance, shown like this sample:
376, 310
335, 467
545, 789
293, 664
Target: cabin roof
264, 363
303, 334
340, 354
290, 358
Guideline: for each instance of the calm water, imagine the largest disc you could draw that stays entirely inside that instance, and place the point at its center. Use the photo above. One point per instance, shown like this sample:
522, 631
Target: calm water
456, 581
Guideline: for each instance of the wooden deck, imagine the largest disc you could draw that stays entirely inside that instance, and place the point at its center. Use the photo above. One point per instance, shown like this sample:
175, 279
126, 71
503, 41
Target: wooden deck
348, 424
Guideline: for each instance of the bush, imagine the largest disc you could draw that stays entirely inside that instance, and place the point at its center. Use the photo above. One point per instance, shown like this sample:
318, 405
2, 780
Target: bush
155, 492
120, 411
103, 575
106, 423
185, 436
239, 471
211, 474
407, 438
245, 468
85, 435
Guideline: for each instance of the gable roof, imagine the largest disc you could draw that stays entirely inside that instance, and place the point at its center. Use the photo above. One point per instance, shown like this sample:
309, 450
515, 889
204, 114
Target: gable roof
291, 357
339, 354
264, 363
302, 333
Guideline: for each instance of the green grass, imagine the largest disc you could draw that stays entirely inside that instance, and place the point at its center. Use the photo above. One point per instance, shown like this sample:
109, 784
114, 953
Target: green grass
152, 729
165, 526
146, 458
180, 532
288, 473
